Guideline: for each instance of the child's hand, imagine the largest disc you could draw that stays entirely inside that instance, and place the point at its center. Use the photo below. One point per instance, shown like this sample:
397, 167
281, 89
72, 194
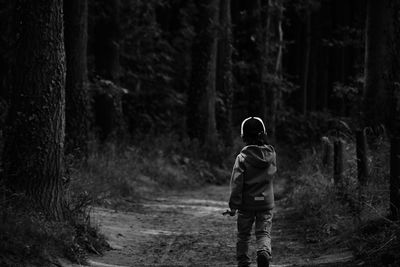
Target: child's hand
231, 212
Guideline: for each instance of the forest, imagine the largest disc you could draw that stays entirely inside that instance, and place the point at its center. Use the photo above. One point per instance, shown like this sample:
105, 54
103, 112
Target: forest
120, 123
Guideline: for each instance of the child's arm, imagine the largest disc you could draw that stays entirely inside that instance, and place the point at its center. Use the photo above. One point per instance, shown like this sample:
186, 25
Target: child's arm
236, 184
272, 166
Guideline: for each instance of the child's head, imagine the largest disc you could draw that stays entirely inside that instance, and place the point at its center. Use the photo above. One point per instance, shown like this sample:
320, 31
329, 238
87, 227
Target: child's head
253, 131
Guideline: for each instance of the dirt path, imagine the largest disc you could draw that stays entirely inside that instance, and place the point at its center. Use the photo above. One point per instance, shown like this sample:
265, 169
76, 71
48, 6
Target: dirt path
187, 229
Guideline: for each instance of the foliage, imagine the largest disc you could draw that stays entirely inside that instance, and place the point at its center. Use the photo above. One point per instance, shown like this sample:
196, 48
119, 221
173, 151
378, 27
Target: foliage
343, 213
323, 207
155, 63
297, 128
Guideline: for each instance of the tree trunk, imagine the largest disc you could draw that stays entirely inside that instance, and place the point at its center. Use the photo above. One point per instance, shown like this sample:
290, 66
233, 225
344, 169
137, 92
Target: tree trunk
376, 63
107, 42
224, 74
394, 111
211, 135
201, 99
306, 69
277, 94
107, 53
272, 61
33, 156
76, 86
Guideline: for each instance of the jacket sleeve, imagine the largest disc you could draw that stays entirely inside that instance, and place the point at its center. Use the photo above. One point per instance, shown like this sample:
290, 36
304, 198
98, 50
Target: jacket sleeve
272, 166
236, 184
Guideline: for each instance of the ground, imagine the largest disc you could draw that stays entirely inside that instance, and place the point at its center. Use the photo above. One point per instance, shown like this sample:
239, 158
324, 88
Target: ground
187, 228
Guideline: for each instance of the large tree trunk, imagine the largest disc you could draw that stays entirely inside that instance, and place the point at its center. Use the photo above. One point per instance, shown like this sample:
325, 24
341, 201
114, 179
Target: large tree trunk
33, 156
394, 111
376, 63
224, 74
201, 99
76, 87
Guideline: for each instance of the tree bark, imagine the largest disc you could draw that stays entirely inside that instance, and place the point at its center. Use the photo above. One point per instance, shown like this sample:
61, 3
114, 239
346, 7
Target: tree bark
33, 154
201, 99
224, 74
76, 87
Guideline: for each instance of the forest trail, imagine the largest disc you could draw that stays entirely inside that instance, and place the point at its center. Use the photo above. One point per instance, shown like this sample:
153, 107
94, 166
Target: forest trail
188, 229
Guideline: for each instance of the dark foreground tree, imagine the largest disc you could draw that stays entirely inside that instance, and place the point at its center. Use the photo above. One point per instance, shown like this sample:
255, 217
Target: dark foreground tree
393, 92
224, 73
33, 153
201, 99
76, 85
375, 100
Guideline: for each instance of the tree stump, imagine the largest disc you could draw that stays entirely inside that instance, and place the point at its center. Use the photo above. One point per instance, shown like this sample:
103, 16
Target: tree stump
326, 151
362, 163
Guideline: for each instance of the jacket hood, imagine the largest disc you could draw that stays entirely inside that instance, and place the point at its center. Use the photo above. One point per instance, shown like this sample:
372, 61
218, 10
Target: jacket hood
258, 156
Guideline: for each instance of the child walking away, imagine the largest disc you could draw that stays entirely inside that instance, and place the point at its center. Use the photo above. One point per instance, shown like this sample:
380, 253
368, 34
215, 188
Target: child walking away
252, 193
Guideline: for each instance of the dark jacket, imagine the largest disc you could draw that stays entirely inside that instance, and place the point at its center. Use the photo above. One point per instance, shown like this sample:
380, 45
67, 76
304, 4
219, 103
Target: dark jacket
251, 180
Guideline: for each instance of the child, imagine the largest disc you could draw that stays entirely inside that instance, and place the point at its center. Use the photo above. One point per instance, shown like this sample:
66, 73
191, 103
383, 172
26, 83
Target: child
252, 192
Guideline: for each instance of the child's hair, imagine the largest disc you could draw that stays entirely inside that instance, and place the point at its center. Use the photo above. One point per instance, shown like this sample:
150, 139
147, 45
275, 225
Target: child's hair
253, 131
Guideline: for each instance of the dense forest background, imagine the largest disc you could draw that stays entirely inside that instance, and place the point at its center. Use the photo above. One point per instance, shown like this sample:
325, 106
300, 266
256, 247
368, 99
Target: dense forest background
169, 81
280, 60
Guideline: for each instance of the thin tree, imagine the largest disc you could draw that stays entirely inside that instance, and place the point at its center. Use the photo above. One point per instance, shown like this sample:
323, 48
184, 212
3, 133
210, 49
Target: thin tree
376, 63
224, 73
107, 41
76, 88
272, 60
306, 69
201, 120
108, 103
34, 141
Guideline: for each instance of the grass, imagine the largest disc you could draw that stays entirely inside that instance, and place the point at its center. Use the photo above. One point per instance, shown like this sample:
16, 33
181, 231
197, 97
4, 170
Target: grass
29, 238
344, 213
114, 173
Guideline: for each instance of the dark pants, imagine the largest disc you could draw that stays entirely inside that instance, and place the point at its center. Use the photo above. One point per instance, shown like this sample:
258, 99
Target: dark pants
263, 224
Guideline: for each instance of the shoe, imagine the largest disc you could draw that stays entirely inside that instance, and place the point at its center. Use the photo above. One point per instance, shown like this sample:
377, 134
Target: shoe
262, 260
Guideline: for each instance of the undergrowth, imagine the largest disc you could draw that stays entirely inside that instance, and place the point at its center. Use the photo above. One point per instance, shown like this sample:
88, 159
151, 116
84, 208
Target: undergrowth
115, 173
345, 213
30, 238
112, 174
